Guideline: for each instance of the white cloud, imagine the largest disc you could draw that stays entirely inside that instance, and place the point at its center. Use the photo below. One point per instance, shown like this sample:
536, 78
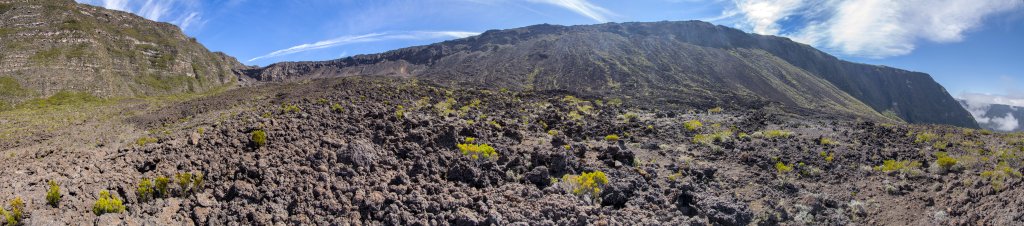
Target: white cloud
868, 28
979, 104
762, 16
582, 7
184, 13
372, 37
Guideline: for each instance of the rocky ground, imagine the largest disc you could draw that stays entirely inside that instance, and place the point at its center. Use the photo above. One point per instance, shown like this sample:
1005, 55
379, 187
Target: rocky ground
386, 151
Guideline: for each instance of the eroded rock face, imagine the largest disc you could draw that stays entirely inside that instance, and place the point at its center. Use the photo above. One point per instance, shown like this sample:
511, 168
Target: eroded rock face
59, 45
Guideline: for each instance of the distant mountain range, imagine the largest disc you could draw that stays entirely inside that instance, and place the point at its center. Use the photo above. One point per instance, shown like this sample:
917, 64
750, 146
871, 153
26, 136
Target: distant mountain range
996, 117
691, 64
51, 46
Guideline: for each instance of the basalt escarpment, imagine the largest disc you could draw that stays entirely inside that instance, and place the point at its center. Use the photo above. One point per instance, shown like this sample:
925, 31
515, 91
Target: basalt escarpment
690, 64
49, 46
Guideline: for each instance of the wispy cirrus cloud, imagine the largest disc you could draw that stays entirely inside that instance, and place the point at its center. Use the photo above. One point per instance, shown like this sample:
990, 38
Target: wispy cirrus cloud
372, 37
582, 7
184, 13
866, 28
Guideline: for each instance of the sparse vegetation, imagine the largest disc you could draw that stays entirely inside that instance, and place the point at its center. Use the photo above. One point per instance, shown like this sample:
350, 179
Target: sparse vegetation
259, 138
145, 190
400, 112
827, 156
553, 132
290, 108
17, 212
709, 139
589, 184
612, 137
143, 141
997, 177
771, 134
715, 110
53, 194
184, 181
335, 107
477, 151
905, 166
162, 186
826, 141
925, 137
692, 125
630, 117
107, 204
782, 168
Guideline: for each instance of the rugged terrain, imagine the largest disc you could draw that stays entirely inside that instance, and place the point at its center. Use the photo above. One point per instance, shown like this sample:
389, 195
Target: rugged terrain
385, 151
690, 64
53, 46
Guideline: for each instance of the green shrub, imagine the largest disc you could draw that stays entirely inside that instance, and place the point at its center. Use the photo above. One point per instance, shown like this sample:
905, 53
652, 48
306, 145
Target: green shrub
715, 110
586, 183
946, 162
769, 134
630, 116
321, 101
184, 181
783, 168
337, 108
107, 204
553, 132
575, 116
143, 141
612, 137
197, 181
902, 166
709, 139
477, 151
53, 194
826, 141
997, 177
259, 138
290, 108
925, 137
145, 190
17, 212
162, 186
692, 125
400, 112
828, 156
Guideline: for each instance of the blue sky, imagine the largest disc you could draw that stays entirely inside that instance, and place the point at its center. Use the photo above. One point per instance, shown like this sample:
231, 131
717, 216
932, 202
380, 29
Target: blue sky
973, 48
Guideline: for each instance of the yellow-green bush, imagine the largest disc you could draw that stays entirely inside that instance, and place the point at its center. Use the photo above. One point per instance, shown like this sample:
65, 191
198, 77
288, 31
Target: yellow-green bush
709, 139
197, 181
17, 212
769, 134
162, 185
997, 177
783, 168
715, 110
629, 117
290, 108
925, 137
184, 181
142, 141
107, 204
259, 137
145, 190
53, 194
335, 107
477, 151
826, 141
946, 162
902, 166
611, 137
692, 125
553, 132
586, 183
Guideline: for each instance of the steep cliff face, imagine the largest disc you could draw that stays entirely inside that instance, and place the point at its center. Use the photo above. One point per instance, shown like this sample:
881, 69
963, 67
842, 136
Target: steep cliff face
48, 46
690, 63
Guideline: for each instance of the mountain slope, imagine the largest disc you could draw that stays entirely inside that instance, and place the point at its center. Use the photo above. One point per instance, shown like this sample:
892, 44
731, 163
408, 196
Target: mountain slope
50, 46
694, 64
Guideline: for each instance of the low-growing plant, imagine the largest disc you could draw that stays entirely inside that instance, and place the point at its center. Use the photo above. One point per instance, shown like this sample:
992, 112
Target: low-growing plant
553, 132
828, 156
259, 138
783, 168
587, 183
709, 139
184, 181
925, 137
770, 134
290, 108
53, 193
715, 110
321, 101
997, 177
145, 190
107, 204
400, 112
197, 181
611, 137
335, 107
629, 117
575, 116
477, 151
142, 141
692, 125
946, 162
826, 141
17, 212
162, 186
904, 166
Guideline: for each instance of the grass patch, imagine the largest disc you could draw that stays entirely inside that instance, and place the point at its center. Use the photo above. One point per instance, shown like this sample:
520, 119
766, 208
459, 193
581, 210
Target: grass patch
476, 151
770, 134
